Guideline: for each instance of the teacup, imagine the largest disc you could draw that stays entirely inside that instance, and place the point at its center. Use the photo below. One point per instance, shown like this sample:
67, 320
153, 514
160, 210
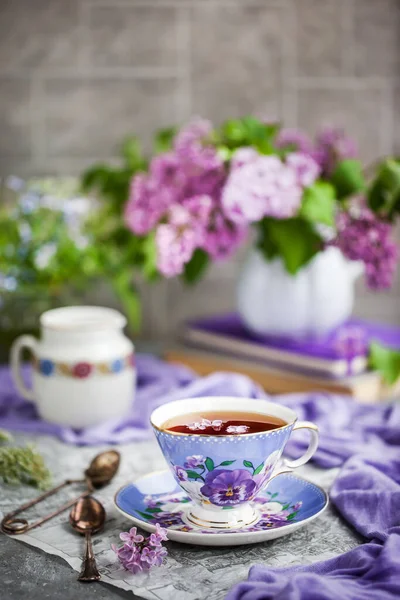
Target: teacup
223, 473
83, 366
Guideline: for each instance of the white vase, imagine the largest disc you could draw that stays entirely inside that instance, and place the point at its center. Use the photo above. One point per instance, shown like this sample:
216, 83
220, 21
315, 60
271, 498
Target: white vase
314, 301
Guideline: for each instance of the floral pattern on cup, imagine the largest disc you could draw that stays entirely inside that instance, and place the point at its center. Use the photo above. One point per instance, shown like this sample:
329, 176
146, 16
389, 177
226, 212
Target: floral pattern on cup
168, 512
209, 483
83, 369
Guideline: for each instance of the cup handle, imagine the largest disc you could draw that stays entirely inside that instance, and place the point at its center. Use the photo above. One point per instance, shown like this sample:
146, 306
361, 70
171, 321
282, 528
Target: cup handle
24, 341
312, 446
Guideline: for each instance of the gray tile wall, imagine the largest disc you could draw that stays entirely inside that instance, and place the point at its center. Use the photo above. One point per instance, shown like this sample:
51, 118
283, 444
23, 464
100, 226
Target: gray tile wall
78, 75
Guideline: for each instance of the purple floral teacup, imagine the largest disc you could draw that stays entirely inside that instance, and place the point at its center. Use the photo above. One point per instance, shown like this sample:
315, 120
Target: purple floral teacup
222, 474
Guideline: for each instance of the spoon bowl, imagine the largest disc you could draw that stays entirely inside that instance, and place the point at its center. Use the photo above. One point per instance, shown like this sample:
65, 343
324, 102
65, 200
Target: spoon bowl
103, 468
88, 516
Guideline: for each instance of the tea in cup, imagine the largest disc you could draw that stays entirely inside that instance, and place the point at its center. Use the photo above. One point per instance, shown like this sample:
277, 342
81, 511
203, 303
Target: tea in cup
223, 452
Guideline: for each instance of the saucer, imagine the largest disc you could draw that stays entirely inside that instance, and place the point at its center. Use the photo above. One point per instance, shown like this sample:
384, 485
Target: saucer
287, 504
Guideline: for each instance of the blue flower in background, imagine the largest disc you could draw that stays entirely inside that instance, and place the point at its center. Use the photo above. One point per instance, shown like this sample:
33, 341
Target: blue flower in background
117, 365
46, 367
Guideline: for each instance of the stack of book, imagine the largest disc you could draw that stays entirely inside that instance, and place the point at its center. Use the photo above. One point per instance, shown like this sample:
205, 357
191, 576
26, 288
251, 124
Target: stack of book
283, 365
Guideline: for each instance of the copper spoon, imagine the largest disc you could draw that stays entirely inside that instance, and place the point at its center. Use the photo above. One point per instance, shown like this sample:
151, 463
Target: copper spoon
100, 472
87, 517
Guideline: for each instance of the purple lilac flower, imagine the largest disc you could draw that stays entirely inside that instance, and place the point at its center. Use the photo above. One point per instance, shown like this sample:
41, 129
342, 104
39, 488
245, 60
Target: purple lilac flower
332, 146
294, 138
306, 168
264, 187
138, 554
351, 340
159, 536
192, 462
180, 473
297, 506
223, 487
363, 236
223, 237
131, 537
180, 197
237, 429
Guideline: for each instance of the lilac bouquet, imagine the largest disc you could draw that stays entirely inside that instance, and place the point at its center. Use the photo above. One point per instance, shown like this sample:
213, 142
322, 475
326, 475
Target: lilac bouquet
139, 554
199, 197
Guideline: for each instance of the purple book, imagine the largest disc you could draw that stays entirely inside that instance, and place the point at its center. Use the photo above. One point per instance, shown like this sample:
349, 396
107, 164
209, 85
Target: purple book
342, 353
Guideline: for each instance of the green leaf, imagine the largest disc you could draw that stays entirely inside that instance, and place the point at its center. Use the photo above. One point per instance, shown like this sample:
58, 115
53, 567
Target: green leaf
149, 250
132, 153
386, 361
291, 516
227, 507
248, 464
193, 474
164, 139
285, 507
128, 297
259, 469
209, 464
274, 495
145, 515
154, 510
225, 463
294, 240
384, 194
195, 268
348, 178
318, 204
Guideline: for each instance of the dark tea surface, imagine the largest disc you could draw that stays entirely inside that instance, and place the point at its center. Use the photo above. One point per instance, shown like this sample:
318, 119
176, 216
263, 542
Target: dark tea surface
222, 423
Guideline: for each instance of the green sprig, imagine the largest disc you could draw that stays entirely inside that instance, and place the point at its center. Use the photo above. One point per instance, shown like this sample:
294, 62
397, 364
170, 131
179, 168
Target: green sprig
22, 465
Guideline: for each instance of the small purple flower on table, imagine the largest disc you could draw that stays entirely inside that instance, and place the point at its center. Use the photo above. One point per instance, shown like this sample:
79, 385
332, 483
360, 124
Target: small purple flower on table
139, 554
195, 461
226, 488
351, 340
237, 429
180, 473
159, 536
131, 537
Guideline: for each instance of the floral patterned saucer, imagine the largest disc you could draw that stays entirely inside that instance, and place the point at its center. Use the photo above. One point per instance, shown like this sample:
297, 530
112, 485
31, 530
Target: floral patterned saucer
288, 504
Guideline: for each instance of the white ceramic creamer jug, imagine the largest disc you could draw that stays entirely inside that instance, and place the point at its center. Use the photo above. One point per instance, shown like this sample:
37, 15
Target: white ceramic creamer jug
83, 366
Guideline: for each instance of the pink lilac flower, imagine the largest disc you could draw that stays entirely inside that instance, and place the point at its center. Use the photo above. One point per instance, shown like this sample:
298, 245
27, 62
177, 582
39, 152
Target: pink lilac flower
306, 168
265, 187
363, 236
192, 462
190, 147
244, 156
131, 536
333, 145
294, 138
237, 429
175, 247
